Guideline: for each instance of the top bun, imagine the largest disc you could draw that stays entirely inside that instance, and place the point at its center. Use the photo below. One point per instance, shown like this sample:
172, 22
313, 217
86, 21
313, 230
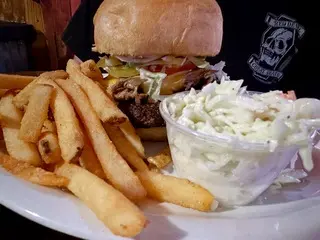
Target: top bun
158, 27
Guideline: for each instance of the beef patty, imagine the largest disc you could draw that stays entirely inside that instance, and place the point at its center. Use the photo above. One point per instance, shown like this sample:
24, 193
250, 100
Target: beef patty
143, 115
143, 111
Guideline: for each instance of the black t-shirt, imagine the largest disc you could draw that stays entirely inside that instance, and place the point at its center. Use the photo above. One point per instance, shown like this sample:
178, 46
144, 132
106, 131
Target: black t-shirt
270, 44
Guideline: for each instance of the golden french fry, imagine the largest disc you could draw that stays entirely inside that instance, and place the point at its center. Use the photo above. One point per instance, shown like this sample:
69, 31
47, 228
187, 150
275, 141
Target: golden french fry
120, 215
130, 133
89, 160
36, 113
20, 149
31, 173
10, 81
22, 98
10, 118
155, 134
49, 126
70, 135
162, 159
125, 148
104, 107
153, 168
11, 115
1, 132
90, 69
115, 167
49, 149
106, 84
108, 92
176, 190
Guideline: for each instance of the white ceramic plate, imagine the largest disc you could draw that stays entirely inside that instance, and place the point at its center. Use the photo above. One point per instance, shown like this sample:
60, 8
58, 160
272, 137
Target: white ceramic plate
291, 213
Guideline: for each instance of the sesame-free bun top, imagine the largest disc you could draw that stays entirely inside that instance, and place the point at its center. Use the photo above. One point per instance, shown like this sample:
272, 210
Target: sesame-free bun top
158, 27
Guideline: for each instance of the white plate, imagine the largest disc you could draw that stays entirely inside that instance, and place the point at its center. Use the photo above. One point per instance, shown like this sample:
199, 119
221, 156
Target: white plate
292, 213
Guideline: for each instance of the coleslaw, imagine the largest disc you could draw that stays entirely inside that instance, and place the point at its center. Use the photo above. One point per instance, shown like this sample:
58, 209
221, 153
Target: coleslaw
236, 143
227, 109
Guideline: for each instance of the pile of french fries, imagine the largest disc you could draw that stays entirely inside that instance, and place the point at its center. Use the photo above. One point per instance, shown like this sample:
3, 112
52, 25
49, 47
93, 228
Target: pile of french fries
61, 129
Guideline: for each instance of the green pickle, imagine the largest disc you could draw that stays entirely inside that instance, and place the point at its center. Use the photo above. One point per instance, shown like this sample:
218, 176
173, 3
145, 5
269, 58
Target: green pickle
123, 71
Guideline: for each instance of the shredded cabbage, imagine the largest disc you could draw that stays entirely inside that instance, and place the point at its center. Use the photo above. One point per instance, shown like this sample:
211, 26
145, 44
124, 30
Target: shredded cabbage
265, 118
152, 82
290, 176
306, 154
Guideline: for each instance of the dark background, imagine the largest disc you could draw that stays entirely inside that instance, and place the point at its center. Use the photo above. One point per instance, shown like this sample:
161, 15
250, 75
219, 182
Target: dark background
13, 226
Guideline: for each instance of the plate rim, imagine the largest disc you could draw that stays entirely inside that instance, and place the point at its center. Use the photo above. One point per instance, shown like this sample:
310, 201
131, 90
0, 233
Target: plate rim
13, 205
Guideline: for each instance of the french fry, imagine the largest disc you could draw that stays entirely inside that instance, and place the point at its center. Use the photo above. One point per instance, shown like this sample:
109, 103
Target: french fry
1, 133
155, 134
153, 168
90, 69
20, 149
125, 148
104, 107
108, 92
115, 167
106, 84
31, 173
88, 160
70, 135
22, 98
176, 190
162, 159
120, 215
130, 133
8, 81
49, 149
36, 113
10, 118
48, 126
58, 74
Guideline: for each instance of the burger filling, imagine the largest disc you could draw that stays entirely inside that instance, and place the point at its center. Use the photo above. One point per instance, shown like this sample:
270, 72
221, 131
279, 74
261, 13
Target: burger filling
137, 83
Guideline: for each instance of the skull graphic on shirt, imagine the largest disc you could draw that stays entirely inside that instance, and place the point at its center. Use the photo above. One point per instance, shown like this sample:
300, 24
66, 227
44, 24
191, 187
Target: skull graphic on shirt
275, 46
278, 46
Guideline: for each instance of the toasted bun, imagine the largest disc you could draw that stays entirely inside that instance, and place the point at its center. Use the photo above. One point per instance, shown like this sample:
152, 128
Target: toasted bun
154, 134
158, 27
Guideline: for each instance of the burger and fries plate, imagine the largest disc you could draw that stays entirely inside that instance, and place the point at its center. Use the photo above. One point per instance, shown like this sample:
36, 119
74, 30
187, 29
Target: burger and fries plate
56, 130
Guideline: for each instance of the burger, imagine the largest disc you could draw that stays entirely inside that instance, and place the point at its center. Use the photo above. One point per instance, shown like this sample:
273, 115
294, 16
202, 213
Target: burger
151, 48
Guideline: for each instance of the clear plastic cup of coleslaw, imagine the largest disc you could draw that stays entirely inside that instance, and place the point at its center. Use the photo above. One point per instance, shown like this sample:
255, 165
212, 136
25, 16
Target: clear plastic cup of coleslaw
236, 172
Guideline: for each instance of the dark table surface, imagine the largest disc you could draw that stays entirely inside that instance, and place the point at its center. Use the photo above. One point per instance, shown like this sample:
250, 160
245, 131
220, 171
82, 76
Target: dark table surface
14, 226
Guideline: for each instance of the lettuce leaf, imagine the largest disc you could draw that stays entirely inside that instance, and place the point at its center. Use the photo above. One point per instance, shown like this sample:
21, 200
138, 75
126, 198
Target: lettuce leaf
152, 82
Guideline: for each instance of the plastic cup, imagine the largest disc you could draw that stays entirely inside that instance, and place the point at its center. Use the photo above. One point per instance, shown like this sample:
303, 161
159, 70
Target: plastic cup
236, 172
